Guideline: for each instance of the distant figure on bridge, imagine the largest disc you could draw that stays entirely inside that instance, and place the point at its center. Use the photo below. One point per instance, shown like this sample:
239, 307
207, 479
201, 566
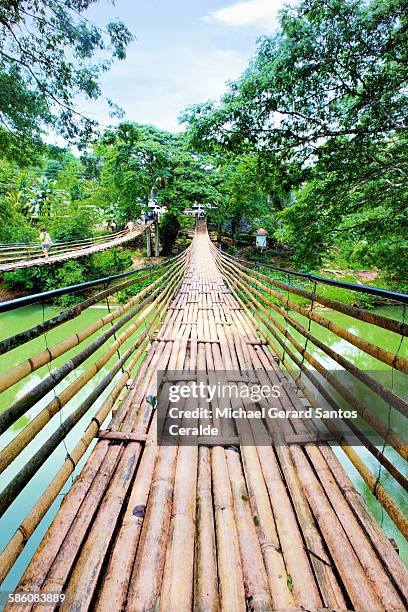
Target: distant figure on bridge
130, 226
45, 241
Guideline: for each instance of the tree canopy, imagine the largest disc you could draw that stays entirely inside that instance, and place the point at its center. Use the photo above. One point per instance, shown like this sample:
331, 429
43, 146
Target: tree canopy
46, 51
140, 162
335, 68
324, 106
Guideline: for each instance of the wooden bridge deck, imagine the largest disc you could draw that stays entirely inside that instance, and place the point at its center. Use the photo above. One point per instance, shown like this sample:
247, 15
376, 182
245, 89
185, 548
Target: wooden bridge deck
148, 527
75, 253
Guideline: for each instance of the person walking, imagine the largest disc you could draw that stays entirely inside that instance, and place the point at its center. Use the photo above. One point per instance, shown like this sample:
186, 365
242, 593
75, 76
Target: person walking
45, 241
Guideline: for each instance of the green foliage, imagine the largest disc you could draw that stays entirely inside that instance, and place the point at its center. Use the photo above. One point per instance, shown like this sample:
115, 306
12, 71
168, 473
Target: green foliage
46, 48
134, 161
46, 278
340, 213
169, 228
70, 273
124, 295
140, 163
111, 261
41, 199
191, 179
13, 227
322, 108
28, 279
54, 193
242, 194
187, 223
73, 227
334, 69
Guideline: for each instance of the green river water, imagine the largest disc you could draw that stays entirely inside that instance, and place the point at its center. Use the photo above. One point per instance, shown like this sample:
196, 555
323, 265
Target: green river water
14, 322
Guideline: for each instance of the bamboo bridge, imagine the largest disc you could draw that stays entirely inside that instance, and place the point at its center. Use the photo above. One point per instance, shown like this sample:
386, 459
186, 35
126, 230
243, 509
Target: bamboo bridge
15, 257
229, 524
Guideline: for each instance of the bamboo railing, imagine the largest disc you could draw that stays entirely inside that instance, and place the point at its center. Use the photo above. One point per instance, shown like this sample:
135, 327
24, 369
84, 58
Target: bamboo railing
284, 322
126, 331
12, 252
14, 257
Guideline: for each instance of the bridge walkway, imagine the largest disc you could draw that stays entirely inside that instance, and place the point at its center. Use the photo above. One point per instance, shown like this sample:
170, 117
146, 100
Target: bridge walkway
235, 526
22, 258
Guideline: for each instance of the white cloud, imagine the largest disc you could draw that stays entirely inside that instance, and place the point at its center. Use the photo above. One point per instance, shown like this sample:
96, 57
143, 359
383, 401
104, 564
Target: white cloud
260, 13
159, 86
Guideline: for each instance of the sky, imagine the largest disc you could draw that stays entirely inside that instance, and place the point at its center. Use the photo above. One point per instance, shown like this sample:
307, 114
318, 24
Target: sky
184, 53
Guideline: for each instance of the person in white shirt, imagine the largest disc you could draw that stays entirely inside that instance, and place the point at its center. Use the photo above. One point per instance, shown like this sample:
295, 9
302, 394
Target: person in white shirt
45, 240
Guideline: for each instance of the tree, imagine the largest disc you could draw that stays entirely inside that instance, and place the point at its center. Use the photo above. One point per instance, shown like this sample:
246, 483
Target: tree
354, 205
248, 192
40, 199
169, 229
141, 162
46, 47
336, 68
191, 178
13, 226
325, 102
135, 160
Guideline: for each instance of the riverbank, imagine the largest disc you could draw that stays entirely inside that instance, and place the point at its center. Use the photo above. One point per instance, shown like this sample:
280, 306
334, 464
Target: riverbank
369, 278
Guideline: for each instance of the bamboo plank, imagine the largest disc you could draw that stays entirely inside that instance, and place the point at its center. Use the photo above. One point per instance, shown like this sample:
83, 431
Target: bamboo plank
255, 577
146, 579
371, 565
117, 575
232, 594
177, 589
206, 579
35, 574
83, 580
385, 550
73, 542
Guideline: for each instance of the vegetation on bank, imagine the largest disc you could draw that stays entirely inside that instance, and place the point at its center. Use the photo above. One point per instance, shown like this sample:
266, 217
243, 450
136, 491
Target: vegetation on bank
73, 272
